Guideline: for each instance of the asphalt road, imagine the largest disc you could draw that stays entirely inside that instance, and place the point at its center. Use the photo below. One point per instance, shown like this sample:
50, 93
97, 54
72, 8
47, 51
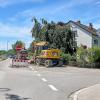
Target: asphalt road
42, 83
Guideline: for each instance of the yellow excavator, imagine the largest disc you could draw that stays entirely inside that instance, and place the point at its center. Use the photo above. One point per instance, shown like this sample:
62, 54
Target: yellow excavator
46, 56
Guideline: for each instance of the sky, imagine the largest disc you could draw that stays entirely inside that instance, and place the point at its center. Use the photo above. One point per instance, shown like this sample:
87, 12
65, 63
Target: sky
16, 15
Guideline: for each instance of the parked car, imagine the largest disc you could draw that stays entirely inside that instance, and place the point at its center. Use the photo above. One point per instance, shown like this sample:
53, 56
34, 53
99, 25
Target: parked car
12, 56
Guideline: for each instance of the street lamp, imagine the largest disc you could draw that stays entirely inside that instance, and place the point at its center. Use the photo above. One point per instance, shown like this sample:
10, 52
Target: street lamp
7, 45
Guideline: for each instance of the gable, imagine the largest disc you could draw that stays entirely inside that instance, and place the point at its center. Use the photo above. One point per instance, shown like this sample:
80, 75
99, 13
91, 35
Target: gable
84, 27
79, 28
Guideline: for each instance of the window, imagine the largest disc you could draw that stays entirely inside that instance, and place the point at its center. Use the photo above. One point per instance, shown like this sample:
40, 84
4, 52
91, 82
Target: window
96, 42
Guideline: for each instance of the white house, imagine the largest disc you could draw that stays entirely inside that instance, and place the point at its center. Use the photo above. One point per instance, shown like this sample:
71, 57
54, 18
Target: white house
85, 35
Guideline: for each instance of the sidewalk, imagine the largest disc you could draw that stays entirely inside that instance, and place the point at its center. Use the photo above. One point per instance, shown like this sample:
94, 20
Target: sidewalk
90, 93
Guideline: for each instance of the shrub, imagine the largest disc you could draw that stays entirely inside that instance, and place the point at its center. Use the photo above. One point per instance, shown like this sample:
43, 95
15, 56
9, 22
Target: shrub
66, 57
88, 57
81, 54
73, 57
94, 54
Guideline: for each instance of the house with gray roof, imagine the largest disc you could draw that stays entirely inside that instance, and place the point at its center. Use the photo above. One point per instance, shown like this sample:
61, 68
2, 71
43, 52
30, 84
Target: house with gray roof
85, 35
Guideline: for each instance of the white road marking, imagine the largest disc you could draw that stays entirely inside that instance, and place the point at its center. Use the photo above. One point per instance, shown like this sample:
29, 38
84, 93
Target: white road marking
35, 71
53, 87
38, 74
43, 79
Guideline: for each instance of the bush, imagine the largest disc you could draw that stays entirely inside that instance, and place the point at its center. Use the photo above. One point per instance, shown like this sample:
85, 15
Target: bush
81, 54
73, 57
88, 57
66, 57
94, 54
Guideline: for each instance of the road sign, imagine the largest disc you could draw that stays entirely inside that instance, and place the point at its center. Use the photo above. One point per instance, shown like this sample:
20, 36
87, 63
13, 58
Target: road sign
18, 47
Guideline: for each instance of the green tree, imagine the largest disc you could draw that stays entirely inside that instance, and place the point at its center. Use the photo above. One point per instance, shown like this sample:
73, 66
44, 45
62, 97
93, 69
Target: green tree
36, 29
21, 43
58, 35
11, 52
31, 47
2, 52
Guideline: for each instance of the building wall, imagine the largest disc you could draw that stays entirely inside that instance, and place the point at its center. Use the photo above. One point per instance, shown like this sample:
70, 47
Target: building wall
82, 37
99, 41
96, 38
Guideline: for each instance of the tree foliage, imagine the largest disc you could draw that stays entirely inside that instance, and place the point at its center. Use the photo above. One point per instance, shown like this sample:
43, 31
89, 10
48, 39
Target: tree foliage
2, 52
21, 43
11, 52
58, 35
36, 29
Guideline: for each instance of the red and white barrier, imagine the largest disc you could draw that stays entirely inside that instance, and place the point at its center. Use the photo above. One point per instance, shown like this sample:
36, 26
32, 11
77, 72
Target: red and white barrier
18, 62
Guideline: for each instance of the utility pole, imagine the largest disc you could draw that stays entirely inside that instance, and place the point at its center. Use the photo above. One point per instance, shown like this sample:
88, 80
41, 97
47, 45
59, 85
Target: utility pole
7, 45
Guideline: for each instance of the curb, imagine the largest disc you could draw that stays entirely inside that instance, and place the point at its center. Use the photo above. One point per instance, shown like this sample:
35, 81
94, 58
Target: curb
74, 96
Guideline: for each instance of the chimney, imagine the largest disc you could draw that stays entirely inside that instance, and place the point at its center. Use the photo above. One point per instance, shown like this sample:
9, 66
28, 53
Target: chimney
90, 26
79, 22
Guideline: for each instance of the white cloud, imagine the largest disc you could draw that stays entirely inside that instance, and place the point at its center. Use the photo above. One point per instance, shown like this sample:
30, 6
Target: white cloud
53, 9
38, 12
7, 30
97, 25
3, 46
12, 33
4, 3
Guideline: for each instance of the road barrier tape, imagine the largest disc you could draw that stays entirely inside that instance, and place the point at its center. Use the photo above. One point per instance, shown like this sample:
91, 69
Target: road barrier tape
18, 62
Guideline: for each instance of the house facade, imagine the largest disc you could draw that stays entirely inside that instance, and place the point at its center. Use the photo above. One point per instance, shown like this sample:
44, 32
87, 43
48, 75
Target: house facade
85, 35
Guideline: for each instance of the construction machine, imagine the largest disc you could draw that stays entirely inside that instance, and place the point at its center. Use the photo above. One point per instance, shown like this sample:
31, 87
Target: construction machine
46, 56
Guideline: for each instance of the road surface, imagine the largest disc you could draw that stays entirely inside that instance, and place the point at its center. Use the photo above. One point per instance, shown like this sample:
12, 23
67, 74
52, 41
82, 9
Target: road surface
41, 83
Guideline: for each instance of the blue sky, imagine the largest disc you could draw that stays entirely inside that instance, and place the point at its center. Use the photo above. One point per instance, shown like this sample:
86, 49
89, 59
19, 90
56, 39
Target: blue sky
16, 15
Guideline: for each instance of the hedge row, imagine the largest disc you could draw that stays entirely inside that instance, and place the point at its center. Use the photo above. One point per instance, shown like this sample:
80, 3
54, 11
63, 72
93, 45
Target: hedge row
89, 58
